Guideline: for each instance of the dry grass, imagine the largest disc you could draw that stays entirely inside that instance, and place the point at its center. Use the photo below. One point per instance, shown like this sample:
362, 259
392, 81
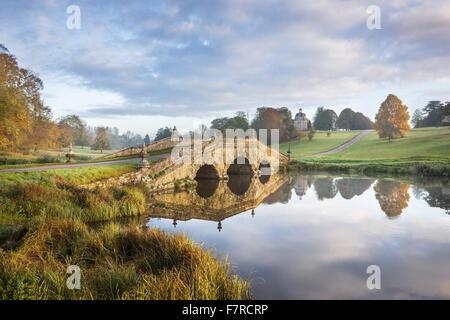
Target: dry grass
116, 263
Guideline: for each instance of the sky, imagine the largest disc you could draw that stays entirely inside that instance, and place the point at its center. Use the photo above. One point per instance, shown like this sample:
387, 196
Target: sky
141, 65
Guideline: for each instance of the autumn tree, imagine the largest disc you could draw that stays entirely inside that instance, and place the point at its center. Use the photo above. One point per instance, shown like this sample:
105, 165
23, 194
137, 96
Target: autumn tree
15, 120
268, 118
64, 136
290, 132
101, 140
77, 129
271, 118
25, 122
392, 118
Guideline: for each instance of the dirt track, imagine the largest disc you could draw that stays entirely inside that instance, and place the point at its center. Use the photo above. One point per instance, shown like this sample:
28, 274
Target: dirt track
342, 147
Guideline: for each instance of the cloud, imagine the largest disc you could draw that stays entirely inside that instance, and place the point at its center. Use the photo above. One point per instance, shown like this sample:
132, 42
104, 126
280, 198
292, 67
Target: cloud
204, 58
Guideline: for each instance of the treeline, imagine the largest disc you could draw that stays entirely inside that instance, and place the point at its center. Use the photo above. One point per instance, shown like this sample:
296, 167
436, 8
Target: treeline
27, 124
281, 118
266, 118
434, 114
327, 119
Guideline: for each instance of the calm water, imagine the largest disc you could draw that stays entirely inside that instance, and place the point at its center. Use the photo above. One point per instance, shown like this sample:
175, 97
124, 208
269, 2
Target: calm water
314, 236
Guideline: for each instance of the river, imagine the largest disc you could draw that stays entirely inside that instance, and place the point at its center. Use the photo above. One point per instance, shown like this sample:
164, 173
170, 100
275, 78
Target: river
314, 236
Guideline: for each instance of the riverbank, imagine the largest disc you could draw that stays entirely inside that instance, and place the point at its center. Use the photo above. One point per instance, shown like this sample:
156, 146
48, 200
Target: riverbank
400, 167
13, 163
116, 262
48, 225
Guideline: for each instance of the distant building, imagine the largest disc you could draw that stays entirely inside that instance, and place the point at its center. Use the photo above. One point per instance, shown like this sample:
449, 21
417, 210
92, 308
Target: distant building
300, 121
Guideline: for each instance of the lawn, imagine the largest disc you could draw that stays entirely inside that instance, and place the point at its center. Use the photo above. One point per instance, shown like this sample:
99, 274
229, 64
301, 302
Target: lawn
85, 151
422, 152
320, 143
75, 176
26, 159
424, 144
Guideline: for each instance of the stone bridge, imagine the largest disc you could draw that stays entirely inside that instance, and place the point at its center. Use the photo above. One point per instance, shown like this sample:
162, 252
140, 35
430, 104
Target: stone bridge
255, 160
248, 157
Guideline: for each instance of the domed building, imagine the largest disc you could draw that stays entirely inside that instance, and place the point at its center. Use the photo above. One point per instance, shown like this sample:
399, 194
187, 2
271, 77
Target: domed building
300, 121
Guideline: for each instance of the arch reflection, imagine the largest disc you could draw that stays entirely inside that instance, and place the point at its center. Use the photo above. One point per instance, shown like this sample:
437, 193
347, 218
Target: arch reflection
239, 184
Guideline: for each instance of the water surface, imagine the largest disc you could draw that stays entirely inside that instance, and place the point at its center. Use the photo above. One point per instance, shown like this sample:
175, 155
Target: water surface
314, 236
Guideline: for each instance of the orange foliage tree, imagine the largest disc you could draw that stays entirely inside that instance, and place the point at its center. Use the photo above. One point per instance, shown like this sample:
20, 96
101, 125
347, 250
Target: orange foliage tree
25, 122
392, 118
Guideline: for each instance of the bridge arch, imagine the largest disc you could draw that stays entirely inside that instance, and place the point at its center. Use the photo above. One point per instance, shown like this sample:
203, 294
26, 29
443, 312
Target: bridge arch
240, 166
207, 171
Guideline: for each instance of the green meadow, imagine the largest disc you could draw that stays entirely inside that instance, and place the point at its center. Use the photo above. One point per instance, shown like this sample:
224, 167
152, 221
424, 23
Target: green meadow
424, 151
73, 176
418, 144
320, 143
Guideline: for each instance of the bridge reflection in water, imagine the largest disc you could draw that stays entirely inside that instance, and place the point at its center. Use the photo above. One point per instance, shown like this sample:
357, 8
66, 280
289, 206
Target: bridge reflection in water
215, 200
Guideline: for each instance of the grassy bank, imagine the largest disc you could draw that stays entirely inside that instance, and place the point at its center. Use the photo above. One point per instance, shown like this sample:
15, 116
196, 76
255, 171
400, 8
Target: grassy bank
13, 163
53, 156
48, 224
424, 152
424, 144
74, 176
116, 263
31, 203
420, 168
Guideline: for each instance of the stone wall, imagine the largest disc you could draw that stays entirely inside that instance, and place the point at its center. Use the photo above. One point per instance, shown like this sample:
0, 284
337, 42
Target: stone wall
162, 144
126, 179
